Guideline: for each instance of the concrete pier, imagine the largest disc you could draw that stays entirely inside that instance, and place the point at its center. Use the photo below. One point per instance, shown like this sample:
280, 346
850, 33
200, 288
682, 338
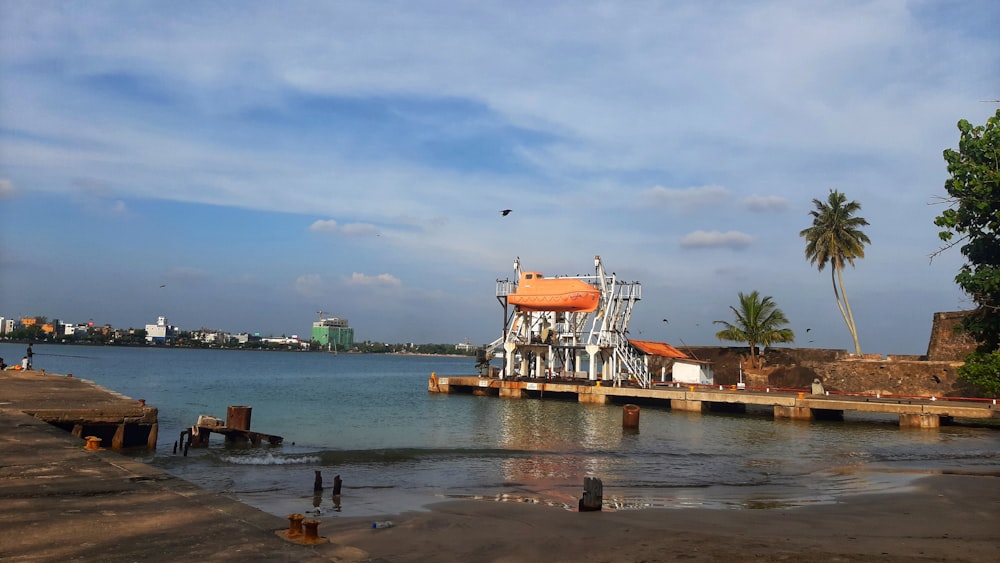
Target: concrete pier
796, 405
81, 408
62, 502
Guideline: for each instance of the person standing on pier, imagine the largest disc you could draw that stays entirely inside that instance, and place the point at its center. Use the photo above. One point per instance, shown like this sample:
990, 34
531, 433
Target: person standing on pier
30, 355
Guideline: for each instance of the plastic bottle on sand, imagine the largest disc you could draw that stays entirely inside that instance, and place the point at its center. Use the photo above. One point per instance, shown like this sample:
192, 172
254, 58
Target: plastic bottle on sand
382, 524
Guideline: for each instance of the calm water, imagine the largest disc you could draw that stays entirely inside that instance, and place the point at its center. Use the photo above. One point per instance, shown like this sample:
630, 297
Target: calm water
371, 420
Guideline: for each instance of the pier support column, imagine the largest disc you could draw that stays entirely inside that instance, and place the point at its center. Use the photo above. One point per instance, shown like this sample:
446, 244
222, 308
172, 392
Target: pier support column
919, 420
593, 398
511, 392
592, 351
154, 430
685, 405
508, 359
794, 413
118, 441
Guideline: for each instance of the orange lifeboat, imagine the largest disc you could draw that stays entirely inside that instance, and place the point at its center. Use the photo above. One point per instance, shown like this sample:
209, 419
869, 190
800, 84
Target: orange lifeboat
535, 292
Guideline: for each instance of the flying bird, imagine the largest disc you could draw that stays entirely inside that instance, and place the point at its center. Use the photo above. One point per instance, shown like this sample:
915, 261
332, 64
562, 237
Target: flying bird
163, 285
808, 329
505, 212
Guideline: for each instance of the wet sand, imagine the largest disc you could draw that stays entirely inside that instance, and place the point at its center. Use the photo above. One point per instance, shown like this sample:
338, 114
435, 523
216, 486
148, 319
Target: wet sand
944, 518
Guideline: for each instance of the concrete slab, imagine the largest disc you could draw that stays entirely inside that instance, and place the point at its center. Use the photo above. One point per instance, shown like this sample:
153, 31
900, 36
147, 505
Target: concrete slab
60, 502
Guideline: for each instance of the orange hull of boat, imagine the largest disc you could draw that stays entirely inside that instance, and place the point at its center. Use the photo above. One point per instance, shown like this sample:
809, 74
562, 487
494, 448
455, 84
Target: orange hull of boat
538, 293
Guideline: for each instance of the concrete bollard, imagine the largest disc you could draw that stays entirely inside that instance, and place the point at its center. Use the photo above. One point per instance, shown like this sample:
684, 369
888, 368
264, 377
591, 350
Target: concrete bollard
630, 416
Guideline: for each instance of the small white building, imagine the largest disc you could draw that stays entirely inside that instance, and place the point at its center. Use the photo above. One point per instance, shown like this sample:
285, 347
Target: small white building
693, 371
161, 332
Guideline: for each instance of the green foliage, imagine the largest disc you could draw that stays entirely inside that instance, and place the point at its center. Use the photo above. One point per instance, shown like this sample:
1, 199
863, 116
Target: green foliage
982, 369
973, 221
758, 321
974, 192
836, 238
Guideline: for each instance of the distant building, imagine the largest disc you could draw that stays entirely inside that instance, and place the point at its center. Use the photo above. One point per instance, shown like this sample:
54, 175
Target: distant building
292, 340
161, 332
332, 333
465, 346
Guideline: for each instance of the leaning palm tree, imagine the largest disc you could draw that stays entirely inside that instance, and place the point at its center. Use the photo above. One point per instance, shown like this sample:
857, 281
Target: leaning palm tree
758, 321
836, 238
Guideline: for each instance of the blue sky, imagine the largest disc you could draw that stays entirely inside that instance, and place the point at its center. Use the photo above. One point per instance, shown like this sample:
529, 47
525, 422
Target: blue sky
263, 161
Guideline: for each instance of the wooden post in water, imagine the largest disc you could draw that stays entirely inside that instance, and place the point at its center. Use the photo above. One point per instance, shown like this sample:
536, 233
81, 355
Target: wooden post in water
318, 483
593, 495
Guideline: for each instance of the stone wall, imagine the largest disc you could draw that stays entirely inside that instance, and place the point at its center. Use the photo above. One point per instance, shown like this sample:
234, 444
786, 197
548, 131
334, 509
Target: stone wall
947, 343
795, 368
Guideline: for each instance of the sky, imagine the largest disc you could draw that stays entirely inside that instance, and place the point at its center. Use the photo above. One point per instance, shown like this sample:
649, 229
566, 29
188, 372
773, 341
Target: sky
242, 166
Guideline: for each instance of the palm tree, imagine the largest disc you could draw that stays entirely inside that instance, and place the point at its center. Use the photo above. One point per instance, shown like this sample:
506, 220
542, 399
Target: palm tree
836, 238
758, 321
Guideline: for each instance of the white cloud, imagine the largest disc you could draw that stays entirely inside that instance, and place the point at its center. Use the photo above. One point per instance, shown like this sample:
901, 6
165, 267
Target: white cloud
711, 239
349, 229
765, 203
321, 226
387, 280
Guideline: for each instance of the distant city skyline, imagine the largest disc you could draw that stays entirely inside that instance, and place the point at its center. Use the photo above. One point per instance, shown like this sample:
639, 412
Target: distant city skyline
244, 166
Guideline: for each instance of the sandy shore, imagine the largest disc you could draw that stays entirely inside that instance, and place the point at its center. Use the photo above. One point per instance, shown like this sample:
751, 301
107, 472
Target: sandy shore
944, 518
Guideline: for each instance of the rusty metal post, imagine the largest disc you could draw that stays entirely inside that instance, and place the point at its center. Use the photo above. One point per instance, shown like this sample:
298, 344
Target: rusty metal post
630, 416
312, 529
238, 417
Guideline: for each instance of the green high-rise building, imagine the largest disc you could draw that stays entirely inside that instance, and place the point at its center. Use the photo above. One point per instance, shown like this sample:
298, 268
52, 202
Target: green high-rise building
333, 334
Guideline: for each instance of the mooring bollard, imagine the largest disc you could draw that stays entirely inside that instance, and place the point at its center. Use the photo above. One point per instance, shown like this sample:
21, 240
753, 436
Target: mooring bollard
93, 443
311, 529
630, 416
593, 495
295, 524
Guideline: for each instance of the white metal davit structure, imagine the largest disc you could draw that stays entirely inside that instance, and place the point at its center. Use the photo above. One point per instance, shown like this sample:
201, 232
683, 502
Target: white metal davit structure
569, 327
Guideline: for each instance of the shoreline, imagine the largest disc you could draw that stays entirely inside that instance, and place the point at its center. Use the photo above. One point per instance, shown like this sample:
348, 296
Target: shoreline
943, 518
